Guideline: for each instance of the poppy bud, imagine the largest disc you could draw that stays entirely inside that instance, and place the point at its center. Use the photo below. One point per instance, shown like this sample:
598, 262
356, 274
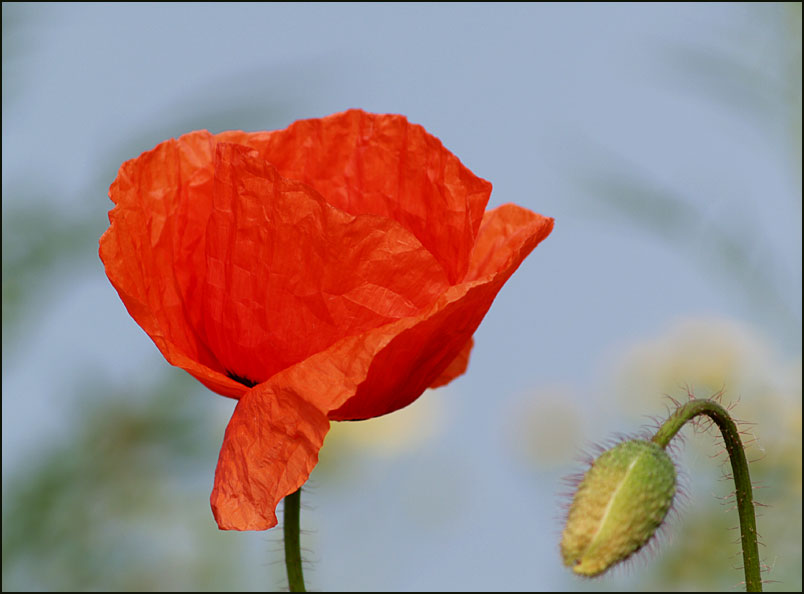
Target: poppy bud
620, 502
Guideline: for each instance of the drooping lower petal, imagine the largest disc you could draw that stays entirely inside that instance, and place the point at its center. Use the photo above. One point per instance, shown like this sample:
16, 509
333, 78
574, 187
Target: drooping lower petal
270, 446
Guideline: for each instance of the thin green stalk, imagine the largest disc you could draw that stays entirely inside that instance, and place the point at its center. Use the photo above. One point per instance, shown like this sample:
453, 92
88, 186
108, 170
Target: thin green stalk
293, 560
739, 466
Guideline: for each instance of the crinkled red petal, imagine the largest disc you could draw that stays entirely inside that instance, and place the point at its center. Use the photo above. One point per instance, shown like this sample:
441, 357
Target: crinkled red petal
266, 457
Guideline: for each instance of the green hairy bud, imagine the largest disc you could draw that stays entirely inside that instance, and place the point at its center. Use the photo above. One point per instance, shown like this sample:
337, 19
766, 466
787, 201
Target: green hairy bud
620, 502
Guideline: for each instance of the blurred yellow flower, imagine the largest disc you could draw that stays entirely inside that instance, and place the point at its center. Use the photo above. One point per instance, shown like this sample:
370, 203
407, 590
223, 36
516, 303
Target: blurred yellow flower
703, 355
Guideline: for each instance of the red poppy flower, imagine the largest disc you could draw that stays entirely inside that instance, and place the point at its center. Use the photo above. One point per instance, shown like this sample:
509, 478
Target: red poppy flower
333, 270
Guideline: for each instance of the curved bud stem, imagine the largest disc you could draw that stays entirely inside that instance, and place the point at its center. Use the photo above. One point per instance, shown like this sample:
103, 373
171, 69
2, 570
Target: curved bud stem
739, 465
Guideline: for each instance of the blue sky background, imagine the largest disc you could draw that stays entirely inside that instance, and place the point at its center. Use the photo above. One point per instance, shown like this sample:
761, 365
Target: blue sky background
665, 140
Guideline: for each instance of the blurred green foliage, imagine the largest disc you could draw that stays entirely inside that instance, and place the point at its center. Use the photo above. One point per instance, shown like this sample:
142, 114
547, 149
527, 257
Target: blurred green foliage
117, 505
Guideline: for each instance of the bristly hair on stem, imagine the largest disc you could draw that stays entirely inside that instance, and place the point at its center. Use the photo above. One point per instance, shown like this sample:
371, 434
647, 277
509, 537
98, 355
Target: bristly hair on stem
293, 561
742, 480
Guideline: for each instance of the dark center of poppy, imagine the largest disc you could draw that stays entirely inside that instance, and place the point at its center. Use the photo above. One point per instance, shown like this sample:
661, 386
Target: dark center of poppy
242, 380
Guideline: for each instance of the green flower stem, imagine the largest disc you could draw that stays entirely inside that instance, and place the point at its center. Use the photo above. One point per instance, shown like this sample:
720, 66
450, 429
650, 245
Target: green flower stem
739, 466
293, 560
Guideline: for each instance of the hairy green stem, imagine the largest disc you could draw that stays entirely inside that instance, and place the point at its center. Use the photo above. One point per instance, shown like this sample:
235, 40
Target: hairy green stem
293, 560
739, 466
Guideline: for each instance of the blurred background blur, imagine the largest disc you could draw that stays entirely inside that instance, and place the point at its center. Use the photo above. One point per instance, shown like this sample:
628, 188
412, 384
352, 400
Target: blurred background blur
665, 139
